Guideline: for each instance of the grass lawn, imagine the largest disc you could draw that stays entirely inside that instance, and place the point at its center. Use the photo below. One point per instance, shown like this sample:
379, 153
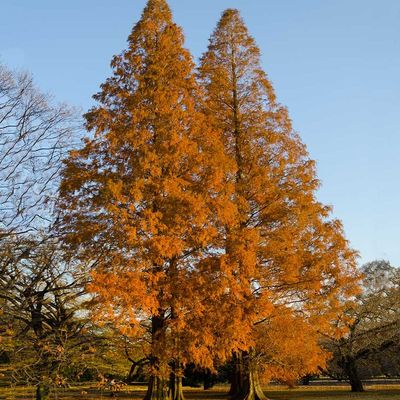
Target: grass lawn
219, 393
333, 392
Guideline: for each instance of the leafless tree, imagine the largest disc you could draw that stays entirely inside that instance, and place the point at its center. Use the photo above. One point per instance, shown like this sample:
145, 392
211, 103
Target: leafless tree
44, 320
35, 136
373, 328
48, 337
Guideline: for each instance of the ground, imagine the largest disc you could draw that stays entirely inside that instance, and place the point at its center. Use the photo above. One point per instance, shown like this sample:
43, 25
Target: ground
88, 392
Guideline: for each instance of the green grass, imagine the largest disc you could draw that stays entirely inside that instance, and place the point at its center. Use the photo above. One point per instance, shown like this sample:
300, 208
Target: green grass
219, 393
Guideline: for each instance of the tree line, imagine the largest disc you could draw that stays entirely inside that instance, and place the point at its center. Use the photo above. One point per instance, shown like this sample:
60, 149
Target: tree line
183, 232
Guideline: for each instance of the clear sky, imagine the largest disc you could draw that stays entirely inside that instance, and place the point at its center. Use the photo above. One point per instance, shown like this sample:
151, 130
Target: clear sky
334, 63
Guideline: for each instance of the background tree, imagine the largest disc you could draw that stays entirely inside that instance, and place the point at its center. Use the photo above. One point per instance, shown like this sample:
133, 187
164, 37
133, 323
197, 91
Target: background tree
372, 343
34, 136
140, 201
43, 307
285, 251
49, 339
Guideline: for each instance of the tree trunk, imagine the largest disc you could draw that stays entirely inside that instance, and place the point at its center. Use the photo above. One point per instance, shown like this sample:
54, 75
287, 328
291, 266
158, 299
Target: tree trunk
135, 372
157, 388
353, 375
252, 388
208, 379
305, 380
42, 391
246, 383
175, 389
131, 373
236, 377
43, 372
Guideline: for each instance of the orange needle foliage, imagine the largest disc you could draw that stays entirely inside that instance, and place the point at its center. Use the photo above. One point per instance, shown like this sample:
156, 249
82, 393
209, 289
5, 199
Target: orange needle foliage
288, 349
194, 204
144, 200
291, 259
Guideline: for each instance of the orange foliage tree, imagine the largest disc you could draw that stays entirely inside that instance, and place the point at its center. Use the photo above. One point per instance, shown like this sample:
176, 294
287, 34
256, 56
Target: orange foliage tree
144, 202
195, 205
291, 261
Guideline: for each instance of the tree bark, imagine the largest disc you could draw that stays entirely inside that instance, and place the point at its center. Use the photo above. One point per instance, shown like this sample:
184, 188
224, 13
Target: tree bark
353, 375
252, 388
208, 379
175, 389
236, 378
157, 388
245, 384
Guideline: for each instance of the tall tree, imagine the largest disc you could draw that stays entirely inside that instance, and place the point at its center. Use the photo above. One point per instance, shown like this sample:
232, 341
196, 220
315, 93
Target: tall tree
287, 252
141, 200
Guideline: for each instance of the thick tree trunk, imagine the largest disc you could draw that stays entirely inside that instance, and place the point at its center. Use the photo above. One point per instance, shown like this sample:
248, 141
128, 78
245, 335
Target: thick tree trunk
175, 389
157, 388
236, 378
245, 383
208, 380
252, 388
353, 375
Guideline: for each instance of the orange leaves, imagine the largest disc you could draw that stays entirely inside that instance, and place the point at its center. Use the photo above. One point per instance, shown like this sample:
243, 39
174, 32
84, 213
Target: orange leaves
165, 248
281, 248
289, 348
141, 201
122, 298
195, 204
115, 188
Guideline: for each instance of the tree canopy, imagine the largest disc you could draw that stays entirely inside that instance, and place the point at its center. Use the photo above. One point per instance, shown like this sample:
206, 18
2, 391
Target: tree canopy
291, 258
187, 233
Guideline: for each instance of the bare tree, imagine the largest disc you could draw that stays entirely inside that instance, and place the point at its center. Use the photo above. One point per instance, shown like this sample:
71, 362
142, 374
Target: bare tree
373, 329
35, 135
44, 314
48, 337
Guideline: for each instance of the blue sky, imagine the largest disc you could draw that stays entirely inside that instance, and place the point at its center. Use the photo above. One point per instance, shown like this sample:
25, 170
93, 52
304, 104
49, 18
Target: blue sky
334, 63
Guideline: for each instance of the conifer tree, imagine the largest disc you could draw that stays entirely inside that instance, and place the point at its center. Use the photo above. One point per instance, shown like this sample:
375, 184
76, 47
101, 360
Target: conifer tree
291, 259
141, 200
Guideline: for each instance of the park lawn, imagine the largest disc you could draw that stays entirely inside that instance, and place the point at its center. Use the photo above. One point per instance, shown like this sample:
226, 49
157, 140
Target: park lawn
87, 392
332, 392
